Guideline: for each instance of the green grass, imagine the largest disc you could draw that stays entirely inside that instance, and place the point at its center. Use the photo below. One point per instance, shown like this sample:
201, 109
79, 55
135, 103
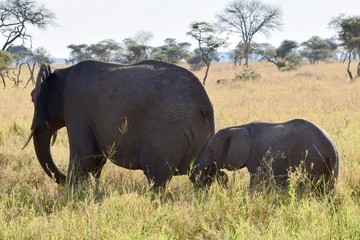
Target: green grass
32, 206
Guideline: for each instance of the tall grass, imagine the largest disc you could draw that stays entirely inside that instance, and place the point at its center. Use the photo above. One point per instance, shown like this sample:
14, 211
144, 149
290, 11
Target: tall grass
33, 207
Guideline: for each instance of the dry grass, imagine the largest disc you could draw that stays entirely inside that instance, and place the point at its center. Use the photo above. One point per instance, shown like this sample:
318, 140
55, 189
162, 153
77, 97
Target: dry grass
33, 207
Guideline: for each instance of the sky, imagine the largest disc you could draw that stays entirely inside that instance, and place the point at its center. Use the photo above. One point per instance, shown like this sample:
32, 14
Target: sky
91, 21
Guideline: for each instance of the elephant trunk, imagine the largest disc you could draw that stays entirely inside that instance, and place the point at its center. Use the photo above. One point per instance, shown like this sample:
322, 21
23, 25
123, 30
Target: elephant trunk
202, 178
205, 173
42, 139
39, 127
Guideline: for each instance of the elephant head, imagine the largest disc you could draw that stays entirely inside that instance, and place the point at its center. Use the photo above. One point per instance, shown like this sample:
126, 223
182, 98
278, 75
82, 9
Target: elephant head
46, 121
229, 148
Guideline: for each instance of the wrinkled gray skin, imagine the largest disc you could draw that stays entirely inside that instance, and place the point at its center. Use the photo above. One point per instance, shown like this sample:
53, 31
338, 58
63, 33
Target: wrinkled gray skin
152, 116
290, 142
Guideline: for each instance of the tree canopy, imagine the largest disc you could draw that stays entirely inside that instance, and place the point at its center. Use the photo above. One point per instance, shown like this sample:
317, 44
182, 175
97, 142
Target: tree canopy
317, 49
129, 51
208, 41
172, 51
284, 56
6, 59
348, 31
248, 18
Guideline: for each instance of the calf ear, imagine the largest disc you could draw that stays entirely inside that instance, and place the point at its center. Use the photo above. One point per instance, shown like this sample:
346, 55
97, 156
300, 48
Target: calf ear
238, 150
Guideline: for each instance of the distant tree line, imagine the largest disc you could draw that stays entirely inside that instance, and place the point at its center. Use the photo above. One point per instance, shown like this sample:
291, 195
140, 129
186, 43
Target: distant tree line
130, 50
290, 54
244, 18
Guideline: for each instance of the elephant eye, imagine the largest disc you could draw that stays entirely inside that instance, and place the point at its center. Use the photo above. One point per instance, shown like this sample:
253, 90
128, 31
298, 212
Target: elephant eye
210, 151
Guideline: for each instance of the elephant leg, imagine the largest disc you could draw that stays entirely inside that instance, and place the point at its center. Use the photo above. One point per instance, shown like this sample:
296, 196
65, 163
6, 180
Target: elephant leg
99, 163
156, 168
158, 176
161, 154
83, 160
159, 183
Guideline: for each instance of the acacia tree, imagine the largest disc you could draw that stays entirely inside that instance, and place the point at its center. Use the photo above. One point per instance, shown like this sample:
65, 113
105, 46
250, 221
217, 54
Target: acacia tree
37, 57
26, 57
135, 52
317, 49
284, 56
237, 54
17, 15
136, 48
208, 41
78, 52
104, 50
248, 18
348, 29
6, 59
172, 51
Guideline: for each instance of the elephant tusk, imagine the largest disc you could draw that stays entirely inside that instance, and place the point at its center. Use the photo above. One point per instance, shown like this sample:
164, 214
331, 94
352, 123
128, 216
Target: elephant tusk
28, 139
54, 138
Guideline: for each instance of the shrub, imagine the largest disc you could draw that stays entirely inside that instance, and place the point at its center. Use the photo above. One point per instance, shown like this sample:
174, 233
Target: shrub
248, 74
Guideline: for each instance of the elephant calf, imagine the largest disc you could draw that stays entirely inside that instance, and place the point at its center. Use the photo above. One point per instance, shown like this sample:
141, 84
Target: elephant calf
287, 145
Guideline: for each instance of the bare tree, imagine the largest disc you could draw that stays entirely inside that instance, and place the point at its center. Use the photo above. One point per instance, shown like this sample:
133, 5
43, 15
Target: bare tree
247, 18
38, 56
143, 37
208, 41
25, 57
17, 15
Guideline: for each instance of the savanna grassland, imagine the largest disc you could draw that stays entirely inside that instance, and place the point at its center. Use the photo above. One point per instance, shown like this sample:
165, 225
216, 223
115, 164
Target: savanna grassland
32, 206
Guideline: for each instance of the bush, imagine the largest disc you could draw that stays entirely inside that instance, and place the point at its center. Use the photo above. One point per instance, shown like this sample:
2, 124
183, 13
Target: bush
289, 63
248, 74
6, 59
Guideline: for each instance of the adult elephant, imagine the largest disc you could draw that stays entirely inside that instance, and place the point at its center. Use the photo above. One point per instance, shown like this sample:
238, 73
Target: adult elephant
152, 116
272, 148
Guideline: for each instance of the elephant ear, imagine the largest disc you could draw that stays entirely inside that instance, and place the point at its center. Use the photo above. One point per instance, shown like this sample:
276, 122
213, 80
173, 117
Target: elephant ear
39, 95
43, 74
238, 150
